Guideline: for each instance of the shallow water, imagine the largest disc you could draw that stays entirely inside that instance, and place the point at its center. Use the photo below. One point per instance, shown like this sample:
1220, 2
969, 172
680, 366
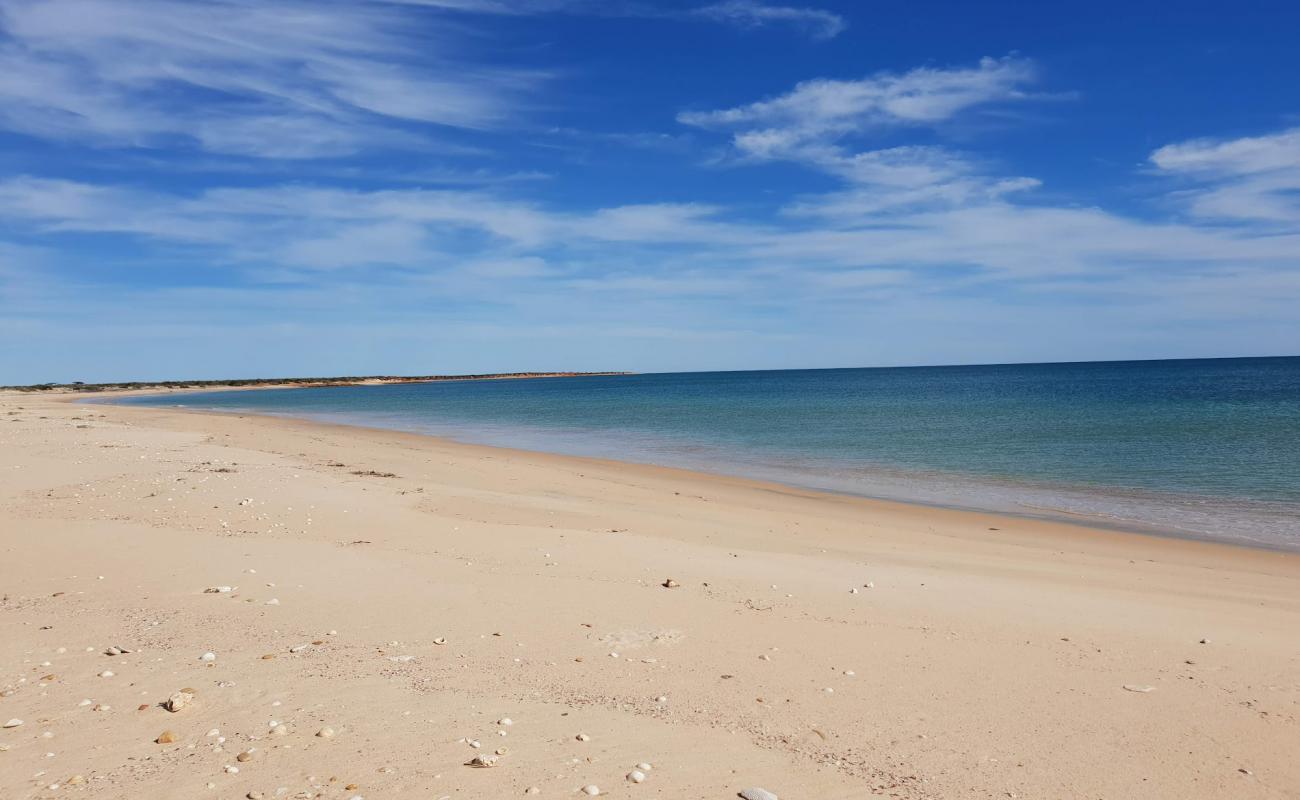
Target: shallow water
1207, 448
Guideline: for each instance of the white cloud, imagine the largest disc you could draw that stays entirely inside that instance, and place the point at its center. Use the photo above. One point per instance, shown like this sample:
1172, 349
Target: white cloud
818, 121
1232, 157
815, 22
818, 23
824, 109
274, 78
1248, 179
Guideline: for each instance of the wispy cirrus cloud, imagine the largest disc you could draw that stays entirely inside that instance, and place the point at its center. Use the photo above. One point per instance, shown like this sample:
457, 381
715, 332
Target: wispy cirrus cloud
830, 125
1253, 178
279, 78
818, 112
818, 23
745, 14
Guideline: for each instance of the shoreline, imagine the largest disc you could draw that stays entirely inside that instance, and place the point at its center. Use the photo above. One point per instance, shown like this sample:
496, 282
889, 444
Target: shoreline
410, 594
1084, 520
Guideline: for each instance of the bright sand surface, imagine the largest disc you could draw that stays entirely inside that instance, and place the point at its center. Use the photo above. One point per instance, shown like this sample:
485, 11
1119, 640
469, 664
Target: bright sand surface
411, 614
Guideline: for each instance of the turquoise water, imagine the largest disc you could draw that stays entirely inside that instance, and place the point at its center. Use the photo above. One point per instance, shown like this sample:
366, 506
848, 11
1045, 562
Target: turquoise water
1207, 448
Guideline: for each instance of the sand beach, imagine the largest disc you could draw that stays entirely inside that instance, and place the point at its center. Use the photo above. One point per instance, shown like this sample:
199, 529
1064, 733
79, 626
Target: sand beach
340, 612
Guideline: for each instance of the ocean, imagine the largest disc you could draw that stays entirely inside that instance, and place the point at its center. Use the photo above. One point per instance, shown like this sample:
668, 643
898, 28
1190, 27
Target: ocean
1205, 448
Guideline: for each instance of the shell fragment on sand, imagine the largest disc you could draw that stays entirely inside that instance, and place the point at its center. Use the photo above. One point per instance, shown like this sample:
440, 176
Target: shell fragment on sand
1137, 687
178, 701
757, 794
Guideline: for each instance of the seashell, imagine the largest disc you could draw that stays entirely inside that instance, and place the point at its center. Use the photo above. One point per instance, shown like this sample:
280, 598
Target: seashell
482, 761
325, 733
1134, 687
636, 776
178, 701
166, 737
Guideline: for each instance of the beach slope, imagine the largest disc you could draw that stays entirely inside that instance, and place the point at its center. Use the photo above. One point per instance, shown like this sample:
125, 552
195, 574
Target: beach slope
360, 613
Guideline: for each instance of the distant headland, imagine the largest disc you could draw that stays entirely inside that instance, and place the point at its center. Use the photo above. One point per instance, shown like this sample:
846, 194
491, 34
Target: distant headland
361, 380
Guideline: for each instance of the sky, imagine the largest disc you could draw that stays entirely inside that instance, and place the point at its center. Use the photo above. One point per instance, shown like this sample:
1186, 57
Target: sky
258, 188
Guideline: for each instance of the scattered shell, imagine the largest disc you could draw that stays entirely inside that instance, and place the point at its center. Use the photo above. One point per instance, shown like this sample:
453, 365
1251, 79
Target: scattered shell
506, 722
116, 651
591, 789
854, 590
440, 640
869, 585
166, 737
325, 733
178, 701
668, 584
13, 723
279, 730
273, 602
218, 589
299, 648
582, 737
757, 794
232, 769
644, 767
636, 776
247, 755
106, 674
1136, 687
532, 790
482, 761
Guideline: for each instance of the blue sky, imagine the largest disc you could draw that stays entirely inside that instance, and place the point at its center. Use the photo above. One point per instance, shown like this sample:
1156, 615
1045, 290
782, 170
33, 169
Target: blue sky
275, 187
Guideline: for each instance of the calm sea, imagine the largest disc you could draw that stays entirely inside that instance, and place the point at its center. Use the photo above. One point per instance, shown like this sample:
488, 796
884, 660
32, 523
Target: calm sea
1205, 448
